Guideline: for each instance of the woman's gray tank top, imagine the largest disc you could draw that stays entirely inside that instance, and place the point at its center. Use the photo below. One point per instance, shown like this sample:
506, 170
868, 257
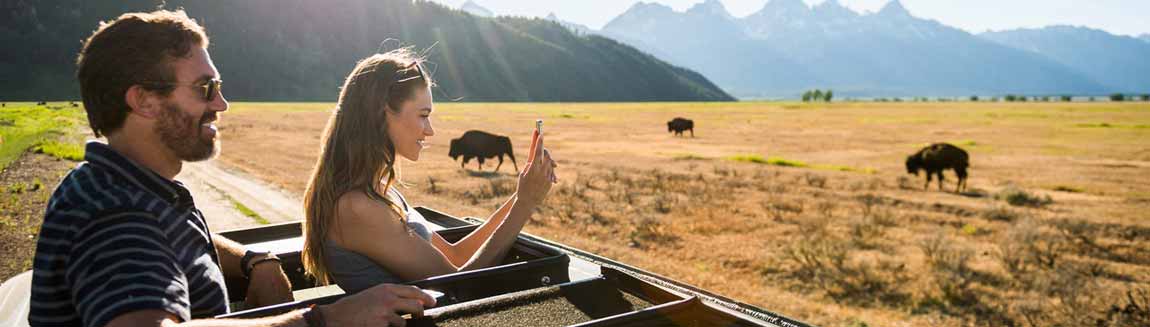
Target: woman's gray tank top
354, 272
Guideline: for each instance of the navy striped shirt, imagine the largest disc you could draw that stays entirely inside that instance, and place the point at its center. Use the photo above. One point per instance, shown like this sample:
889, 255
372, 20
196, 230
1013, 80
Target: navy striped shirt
117, 238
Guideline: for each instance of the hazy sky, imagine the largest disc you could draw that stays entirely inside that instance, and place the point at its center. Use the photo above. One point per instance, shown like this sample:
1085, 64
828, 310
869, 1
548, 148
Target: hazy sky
1128, 17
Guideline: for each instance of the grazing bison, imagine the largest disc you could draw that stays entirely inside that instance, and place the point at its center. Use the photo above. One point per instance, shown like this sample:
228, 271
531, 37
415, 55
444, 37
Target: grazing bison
938, 157
482, 145
680, 124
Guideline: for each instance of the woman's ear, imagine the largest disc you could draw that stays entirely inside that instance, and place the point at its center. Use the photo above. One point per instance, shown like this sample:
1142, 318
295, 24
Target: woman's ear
142, 102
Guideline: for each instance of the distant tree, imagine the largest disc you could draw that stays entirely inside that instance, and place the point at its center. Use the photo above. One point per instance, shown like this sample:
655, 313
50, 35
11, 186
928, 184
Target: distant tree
1022, 98
817, 95
1117, 97
1146, 97
1045, 99
1010, 98
829, 95
1066, 98
974, 98
1091, 99
807, 96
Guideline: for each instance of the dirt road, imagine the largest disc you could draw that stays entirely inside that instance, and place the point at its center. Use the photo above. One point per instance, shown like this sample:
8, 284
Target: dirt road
217, 189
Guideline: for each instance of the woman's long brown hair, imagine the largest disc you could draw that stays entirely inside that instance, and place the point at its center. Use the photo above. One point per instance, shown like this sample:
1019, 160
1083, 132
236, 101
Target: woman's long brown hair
357, 153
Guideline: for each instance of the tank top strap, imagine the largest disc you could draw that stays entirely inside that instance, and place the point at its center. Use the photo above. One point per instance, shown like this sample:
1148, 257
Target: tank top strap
402, 200
375, 196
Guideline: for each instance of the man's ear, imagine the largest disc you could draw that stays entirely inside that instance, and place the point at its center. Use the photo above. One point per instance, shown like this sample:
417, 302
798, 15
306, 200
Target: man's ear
142, 102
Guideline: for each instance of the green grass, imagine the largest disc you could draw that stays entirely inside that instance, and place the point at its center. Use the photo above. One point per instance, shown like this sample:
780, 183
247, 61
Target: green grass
866, 170
66, 151
23, 126
775, 161
783, 162
689, 156
247, 211
1069, 189
751, 158
1111, 125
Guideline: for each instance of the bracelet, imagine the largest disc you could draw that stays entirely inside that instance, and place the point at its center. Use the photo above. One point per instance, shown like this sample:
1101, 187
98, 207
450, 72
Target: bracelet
313, 316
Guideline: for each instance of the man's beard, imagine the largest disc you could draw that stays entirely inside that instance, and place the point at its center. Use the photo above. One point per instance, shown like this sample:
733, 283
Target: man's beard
183, 134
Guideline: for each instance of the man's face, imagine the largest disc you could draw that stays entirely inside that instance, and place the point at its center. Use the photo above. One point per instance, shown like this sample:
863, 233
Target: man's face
186, 123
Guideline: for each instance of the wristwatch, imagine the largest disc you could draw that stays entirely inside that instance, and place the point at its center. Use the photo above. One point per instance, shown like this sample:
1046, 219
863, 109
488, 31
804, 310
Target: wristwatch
252, 258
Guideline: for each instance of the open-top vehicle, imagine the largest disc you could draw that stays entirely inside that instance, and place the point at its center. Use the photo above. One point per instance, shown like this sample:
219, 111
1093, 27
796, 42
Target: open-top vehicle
540, 283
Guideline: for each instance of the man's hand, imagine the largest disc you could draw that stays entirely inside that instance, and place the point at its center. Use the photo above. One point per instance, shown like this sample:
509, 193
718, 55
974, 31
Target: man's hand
268, 285
382, 305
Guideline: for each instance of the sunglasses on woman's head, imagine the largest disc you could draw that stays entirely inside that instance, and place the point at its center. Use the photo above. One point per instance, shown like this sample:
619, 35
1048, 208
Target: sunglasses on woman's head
404, 75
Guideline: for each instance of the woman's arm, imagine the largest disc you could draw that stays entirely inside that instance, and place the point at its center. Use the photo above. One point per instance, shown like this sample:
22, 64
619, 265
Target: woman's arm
374, 230
534, 183
462, 251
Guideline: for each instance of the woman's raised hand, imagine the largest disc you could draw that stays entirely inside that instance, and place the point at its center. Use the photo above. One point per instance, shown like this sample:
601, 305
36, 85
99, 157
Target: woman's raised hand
536, 178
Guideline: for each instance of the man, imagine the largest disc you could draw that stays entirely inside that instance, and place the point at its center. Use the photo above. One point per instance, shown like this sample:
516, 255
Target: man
122, 243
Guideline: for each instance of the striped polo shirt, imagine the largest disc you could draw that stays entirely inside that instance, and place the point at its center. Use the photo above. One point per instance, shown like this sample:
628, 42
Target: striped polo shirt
117, 238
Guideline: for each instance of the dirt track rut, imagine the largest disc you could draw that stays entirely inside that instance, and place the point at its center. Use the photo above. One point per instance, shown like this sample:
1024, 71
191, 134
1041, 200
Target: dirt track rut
212, 185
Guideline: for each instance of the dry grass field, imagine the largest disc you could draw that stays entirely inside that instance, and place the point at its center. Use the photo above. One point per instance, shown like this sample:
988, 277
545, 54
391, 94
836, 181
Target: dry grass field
806, 209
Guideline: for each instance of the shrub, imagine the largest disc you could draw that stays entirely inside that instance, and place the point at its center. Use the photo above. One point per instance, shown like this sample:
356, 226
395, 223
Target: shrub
864, 232
1117, 97
906, 183
432, 188
778, 209
1026, 247
1018, 197
648, 230
999, 212
17, 188
813, 180
664, 202
1134, 312
950, 267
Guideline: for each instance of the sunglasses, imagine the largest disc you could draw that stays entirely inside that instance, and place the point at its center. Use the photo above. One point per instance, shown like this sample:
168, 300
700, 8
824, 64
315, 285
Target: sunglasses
211, 88
402, 75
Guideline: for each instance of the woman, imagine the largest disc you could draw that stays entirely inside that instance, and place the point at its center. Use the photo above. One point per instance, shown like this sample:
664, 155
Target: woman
360, 231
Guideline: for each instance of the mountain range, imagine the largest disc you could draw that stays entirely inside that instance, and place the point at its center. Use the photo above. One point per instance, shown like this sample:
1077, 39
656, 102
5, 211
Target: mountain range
301, 50
1120, 63
788, 47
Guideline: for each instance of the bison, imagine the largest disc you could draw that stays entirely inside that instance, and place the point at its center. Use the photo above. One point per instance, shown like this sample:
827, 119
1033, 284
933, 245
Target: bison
938, 157
680, 124
482, 145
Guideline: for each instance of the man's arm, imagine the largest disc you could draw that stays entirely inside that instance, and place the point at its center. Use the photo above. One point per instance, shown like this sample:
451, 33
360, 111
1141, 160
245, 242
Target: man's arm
381, 304
267, 284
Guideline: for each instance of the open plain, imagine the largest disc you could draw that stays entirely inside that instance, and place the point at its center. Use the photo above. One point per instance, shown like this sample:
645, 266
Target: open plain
807, 209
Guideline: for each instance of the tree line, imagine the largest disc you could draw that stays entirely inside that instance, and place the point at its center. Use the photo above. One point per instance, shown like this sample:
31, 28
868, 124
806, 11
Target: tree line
302, 50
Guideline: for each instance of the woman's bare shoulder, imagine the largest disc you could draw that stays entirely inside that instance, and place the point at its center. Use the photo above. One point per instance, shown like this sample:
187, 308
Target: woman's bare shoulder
357, 206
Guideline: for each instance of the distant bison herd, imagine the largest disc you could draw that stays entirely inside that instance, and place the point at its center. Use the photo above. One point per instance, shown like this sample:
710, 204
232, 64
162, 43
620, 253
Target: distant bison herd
933, 159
